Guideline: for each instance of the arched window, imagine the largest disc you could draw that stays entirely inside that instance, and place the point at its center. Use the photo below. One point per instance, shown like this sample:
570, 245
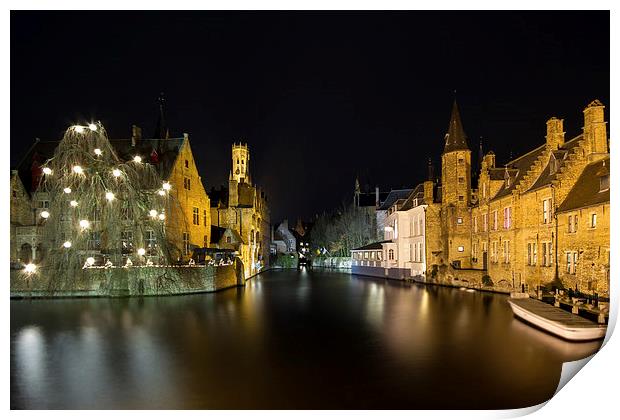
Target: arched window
391, 254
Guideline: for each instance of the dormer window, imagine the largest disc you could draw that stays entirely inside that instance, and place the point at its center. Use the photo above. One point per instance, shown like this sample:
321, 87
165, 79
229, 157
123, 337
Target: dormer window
604, 182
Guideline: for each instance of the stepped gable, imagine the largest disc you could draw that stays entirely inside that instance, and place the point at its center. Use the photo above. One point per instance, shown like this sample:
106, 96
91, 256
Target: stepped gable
548, 175
522, 164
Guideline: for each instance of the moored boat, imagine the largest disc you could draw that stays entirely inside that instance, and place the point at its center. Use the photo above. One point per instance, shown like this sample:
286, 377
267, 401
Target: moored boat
556, 321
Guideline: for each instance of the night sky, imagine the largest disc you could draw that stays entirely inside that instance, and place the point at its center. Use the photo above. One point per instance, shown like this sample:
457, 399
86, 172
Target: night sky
319, 97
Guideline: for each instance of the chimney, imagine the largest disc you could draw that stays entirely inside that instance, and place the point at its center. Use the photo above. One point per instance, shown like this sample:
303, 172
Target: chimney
595, 130
428, 191
555, 133
136, 135
488, 161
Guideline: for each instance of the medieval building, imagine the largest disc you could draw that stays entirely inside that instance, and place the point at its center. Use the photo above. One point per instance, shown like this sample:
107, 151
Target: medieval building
243, 208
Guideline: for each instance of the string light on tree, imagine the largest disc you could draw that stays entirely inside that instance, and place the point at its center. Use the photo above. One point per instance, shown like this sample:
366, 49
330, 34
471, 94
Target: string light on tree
73, 203
153, 213
47, 171
45, 214
84, 224
78, 129
162, 216
30, 268
78, 169
141, 251
137, 159
67, 244
167, 186
161, 192
109, 196
92, 127
116, 173
98, 152
67, 190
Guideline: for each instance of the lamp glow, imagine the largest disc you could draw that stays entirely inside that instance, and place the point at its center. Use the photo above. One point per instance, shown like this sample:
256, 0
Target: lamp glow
84, 224
98, 152
109, 196
73, 203
92, 127
116, 173
67, 244
79, 129
167, 186
78, 169
153, 213
141, 251
161, 192
137, 159
162, 216
47, 171
90, 260
67, 190
45, 214
30, 268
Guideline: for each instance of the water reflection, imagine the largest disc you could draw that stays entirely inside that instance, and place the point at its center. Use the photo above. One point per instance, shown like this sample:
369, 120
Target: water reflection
290, 339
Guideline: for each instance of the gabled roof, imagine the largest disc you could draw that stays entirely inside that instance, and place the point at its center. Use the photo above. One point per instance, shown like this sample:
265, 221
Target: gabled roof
559, 155
217, 234
521, 164
393, 196
372, 246
586, 191
455, 138
417, 193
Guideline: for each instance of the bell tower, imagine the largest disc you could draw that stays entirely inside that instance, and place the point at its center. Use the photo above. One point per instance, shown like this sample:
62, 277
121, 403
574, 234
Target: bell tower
240, 163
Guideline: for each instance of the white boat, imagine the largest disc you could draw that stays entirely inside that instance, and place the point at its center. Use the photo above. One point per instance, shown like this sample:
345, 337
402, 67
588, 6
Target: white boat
556, 321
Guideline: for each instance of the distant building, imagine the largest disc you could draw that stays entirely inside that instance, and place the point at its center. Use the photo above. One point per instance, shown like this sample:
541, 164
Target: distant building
284, 239
243, 208
369, 202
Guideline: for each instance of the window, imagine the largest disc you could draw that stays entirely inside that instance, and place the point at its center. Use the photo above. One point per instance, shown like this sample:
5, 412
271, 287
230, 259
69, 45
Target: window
547, 254
228, 239
531, 253
474, 252
379, 255
460, 198
460, 160
186, 243
461, 180
461, 248
494, 252
44, 204
570, 224
150, 241
571, 262
547, 211
507, 217
366, 255
195, 216
475, 224
186, 183
391, 254
593, 220
494, 219
485, 222
127, 242
506, 252
94, 240
604, 183
459, 220
96, 214
204, 217
575, 224
372, 255
186, 163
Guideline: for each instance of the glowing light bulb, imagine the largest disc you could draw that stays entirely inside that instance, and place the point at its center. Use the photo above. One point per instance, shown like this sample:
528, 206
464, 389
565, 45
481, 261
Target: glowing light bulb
30, 268
90, 260
67, 244
67, 190
161, 192
78, 169
167, 186
153, 213
98, 152
47, 171
137, 159
84, 224
162, 216
109, 196
79, 129
93, 127
141, 251
116, 173
73, 203
45, 214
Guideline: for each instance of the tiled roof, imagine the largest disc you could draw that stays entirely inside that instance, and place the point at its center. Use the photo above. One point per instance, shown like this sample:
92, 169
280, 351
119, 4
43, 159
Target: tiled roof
393, 196
559, 155
374, 245
418, 192
586, 191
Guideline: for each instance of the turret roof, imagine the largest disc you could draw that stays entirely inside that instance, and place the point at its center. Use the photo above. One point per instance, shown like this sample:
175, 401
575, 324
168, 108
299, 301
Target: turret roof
455, 137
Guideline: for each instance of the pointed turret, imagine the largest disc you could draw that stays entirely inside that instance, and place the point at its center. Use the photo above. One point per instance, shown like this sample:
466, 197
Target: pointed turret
455, 138
161, 130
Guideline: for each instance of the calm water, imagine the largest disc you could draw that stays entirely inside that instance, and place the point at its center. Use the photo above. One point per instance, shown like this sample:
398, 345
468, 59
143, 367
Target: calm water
288, 340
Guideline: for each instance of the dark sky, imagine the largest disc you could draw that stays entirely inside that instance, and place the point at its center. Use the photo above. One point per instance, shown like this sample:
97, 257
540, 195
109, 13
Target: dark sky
319, 97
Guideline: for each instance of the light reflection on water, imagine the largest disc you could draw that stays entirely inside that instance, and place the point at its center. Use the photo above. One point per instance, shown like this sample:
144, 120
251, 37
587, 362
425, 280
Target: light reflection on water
290, 339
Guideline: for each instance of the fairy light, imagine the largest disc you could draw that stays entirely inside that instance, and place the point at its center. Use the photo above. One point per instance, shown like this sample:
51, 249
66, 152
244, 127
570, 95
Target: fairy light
47, 171
116, 172
67, 244
67, 190
30, 268
141, 251
78, 169
162, 216
137, 159
84, 224
79, 129
90, 260
45, 214
109, 196
161, 192
153, 213
92, 127
167, 186
98, 152
73, 203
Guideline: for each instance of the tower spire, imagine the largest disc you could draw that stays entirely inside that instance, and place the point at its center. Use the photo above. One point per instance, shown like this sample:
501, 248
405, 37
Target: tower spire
161, 130
455, 137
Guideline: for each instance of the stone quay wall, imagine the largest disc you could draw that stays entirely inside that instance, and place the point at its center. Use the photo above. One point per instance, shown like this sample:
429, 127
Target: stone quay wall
131, 281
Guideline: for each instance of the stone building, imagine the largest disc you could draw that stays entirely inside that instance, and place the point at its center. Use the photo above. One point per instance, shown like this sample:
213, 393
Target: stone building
187, 220
243, 208
368, 202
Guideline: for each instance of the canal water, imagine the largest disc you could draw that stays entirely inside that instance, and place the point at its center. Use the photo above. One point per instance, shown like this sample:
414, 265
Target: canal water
290, 339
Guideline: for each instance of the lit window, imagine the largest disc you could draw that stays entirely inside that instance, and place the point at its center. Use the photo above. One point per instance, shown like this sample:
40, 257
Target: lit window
150, 241
461, 248
127, 242
459, 220
547, 214
185, 243
195, 216
593, 220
